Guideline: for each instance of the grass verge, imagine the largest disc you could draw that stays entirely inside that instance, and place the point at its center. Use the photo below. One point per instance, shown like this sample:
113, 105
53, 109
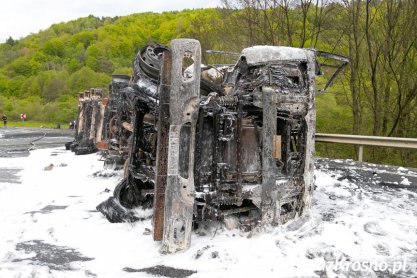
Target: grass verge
34, 124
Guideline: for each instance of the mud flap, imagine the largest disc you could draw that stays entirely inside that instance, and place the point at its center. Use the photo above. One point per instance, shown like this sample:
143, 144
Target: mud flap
184, 104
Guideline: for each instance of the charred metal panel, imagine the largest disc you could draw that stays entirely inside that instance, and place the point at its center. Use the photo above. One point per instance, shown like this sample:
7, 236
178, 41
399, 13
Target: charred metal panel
269, 168
110, 129
114, 144
310, 119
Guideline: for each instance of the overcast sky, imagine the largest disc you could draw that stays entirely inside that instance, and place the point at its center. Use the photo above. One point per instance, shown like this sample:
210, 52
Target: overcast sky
19, 18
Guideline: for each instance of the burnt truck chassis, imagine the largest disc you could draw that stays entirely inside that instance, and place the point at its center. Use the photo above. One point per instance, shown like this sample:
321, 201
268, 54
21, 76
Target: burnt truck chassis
210, 143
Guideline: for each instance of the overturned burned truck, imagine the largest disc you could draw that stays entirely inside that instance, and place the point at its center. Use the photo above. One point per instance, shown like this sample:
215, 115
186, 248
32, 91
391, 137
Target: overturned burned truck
90, 122
216, 142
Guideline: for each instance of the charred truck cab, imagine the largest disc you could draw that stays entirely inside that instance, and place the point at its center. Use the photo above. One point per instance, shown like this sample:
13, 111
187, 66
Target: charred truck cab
220, 142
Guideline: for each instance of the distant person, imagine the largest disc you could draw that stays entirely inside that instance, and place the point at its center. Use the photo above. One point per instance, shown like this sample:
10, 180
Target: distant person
71, 125
4, 118
23, 118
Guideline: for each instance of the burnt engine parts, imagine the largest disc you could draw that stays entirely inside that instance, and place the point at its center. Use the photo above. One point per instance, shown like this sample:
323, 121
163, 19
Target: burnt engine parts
117, 128
215, 142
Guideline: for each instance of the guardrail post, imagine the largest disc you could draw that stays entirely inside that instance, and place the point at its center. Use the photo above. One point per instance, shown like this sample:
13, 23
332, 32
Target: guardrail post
361, 153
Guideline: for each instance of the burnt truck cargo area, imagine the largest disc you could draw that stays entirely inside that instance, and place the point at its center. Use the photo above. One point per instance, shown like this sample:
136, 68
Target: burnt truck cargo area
198, 143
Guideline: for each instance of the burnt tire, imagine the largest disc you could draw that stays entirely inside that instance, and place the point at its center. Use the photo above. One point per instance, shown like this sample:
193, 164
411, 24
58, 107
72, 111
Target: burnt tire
148, 61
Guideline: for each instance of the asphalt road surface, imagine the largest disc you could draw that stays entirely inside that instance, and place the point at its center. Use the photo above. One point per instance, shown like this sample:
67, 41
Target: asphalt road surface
369, 174
17, 142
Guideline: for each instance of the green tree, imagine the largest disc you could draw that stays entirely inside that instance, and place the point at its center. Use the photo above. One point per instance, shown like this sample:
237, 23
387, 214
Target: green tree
54, 47
20, 66
86, 78
10, 41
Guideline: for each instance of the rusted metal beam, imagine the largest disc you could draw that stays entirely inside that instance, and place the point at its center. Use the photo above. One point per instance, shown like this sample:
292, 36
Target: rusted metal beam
162, 148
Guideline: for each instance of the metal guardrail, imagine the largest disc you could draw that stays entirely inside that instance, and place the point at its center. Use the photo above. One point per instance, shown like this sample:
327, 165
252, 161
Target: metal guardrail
361, 140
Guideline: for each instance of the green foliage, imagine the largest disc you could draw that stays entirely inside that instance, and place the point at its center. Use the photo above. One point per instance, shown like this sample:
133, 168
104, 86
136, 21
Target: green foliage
20, 66
14, 86
54, 47
4, 85
87, 78
84, 37
123, 70
73, 65
10, 41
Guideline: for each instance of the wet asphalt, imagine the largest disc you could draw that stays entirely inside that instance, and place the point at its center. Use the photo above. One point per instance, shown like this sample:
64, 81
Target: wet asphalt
18, 142
369, 174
